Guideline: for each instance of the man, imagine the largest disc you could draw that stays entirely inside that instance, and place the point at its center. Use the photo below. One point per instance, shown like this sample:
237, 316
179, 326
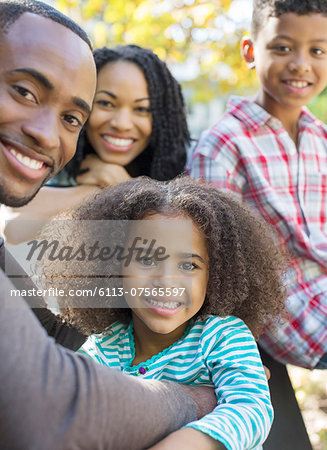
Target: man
50, 397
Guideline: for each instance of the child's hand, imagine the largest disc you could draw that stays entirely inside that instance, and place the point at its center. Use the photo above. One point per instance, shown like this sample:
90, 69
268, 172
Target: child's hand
267, 372
188, 439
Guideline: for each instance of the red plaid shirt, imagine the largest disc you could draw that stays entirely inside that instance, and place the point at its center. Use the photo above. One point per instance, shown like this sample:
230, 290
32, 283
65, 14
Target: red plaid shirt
249, 153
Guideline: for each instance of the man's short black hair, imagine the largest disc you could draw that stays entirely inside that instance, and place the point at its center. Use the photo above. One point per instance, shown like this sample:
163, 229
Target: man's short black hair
10, 11
262, 9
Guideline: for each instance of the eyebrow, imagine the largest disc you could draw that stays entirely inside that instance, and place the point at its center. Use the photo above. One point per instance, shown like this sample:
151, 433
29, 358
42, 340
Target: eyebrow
48, 85
192, 255
115, 96
82, 104
289, 38
37, 75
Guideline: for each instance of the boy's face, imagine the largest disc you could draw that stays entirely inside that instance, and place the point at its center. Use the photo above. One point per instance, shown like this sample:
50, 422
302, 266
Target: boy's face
290, 57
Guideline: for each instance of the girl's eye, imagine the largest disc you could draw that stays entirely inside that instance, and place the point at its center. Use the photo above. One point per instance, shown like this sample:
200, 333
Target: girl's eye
187, 266
73, 121
147, 262
25, 93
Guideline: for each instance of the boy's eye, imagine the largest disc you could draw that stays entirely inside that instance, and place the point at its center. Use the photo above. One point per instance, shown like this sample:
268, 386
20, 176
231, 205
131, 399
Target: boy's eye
188, 266
283, 48
25, 93
317, 51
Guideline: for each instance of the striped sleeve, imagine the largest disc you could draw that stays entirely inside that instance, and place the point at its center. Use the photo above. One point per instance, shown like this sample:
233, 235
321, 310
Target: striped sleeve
243, 416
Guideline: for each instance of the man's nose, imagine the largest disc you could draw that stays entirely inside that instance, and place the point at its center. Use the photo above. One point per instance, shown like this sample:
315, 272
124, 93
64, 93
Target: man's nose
43, 128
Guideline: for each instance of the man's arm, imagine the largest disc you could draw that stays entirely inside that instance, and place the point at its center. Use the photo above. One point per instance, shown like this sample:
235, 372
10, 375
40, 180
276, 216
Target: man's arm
63, 333
49, 202
51, 398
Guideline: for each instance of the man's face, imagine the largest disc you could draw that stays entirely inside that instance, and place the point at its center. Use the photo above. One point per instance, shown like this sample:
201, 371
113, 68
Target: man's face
47, 84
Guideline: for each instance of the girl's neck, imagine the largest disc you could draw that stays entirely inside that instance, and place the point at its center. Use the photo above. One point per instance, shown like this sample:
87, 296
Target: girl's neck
149, 343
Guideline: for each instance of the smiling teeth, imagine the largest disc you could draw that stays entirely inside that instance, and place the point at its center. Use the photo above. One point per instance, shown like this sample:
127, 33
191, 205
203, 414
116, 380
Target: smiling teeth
166, 305
119, 142
298, 84
28, 162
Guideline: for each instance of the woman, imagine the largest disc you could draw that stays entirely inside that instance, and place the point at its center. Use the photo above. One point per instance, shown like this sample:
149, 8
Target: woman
137, 127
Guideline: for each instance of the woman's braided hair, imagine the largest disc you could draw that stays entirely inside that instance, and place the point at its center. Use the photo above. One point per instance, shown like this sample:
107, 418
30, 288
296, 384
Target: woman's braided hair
165, 156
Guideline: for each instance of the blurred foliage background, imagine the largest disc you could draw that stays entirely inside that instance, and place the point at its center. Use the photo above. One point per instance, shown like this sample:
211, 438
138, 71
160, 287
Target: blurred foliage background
198, 39
201, 37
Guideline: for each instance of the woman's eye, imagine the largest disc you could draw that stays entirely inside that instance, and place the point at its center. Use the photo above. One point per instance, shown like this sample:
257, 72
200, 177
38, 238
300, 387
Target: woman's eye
187, 266
25, 93
106, 103
143, 109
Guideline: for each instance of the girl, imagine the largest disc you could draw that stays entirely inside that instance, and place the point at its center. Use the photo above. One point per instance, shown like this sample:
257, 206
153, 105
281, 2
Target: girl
186, 312
137, 127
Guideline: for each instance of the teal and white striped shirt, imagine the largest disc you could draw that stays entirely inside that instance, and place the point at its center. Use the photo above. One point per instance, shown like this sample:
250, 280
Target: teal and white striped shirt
213, 351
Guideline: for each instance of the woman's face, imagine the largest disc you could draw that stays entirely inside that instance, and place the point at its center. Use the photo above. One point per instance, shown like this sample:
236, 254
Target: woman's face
120, 124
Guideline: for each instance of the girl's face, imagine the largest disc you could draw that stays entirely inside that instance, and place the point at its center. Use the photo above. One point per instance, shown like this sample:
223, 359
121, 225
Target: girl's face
120, 124
165, 290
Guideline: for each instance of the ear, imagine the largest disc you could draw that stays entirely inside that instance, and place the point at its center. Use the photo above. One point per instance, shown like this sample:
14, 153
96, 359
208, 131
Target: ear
247, 52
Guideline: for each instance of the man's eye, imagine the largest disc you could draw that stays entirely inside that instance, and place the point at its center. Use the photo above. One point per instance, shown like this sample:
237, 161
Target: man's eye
25, 93
187, 266
73, 121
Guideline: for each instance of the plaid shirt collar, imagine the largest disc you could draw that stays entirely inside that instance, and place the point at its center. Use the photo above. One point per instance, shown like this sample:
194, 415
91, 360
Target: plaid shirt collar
254, 116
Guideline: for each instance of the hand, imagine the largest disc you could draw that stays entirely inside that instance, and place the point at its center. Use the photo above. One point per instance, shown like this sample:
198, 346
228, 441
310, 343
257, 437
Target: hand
188, 439
267, 372
204, 398
100, 173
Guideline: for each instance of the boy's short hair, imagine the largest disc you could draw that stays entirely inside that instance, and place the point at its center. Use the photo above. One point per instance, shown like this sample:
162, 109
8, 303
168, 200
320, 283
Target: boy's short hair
263, 9
10, 11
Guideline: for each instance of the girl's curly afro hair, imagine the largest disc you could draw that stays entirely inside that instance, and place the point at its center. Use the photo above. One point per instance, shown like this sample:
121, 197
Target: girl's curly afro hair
245, 265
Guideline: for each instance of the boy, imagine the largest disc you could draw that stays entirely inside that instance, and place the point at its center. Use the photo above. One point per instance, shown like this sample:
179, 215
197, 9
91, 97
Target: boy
272, 153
